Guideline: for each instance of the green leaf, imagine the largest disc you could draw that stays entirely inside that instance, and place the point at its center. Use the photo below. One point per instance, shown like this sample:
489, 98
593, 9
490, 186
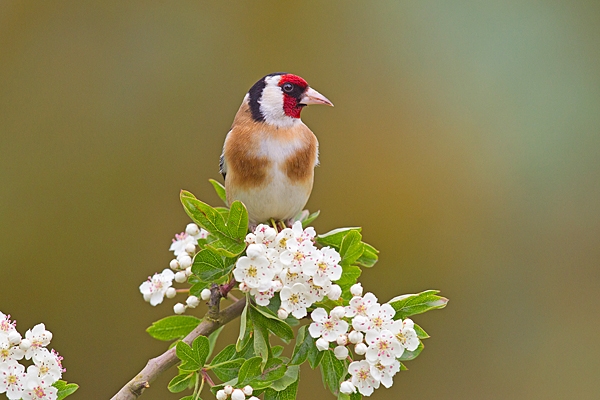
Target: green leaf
350, 275
249, 370
272, 323
64, 389
182, 382
212, 340
334, 238
351, 247
226, 365
198, 286
369, 256
220, 189
411, 355
310, 218
421, 334
193, 358
261, 341
210, 266
274, 370
289, 393
291, 376
305, 347
245, 329
173, 327
412, 304
229, 369
332, 371
227, 230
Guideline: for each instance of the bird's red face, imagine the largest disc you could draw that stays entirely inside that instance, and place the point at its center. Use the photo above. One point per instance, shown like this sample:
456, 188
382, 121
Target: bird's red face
278, 98
293, 88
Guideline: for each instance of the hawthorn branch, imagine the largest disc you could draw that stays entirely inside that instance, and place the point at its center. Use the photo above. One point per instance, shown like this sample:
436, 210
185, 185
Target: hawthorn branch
213, 320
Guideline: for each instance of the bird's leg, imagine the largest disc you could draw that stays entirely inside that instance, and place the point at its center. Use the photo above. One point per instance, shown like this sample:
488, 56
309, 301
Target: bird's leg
284, 225
274, 224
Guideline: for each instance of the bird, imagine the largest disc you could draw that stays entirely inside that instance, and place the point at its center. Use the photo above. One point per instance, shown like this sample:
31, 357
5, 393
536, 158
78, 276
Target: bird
269, 154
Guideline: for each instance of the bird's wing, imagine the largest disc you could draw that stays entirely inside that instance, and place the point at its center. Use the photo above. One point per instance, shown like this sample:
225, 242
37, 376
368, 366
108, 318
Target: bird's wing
222, 166
222, 162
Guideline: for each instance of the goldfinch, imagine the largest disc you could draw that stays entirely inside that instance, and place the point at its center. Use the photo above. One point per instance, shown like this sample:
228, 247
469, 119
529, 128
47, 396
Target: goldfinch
269, 154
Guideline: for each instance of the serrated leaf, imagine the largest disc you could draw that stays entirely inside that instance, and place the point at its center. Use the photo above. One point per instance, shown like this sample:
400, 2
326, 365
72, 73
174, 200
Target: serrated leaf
411, 355
224, 228
64, 389
289, 393
173, 327
412, 304
220, 189
181, 382
193, 358
272, 323
350, 274
210, 267
332, 371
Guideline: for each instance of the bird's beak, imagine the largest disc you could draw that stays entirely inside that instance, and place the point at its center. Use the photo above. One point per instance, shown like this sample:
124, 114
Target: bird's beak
311, 96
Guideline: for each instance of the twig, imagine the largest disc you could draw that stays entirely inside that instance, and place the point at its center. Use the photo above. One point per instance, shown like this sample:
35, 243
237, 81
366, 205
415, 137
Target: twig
155, 366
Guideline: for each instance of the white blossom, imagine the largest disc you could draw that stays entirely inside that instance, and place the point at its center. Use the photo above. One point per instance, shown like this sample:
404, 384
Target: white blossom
385, 373
296, 299
155, 288
405, 334
379, 317
39, 338
254, 272
359, 305
383, 347
362, 378
12, 379
327, 327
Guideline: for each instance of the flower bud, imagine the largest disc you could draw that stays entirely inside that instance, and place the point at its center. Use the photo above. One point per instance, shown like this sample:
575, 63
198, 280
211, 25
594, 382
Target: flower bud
334, 292
322, 344
282, 314
14, 338
174, 264
184, 261
347, 387
180, 277
342, 340
221, 395
178, 308
170, 293
255, 250
247, 390
270, 234
237, 394
360, 349
250, 238
190, 248
25, 344
188, 271
228, 389
356, 289
341, 352
355, 337
192, 229
192, 301
338, 312
205, 294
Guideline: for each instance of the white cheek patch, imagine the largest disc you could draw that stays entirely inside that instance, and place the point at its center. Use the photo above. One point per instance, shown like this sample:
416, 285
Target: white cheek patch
271, 104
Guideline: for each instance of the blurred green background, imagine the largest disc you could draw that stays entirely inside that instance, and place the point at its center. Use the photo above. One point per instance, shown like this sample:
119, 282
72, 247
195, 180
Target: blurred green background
465, 140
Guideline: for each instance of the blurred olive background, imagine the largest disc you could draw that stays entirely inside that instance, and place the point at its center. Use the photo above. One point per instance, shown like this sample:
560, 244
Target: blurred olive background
465, 140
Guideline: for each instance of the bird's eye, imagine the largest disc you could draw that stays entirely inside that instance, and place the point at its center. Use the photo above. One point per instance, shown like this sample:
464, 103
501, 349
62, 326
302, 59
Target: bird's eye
287, 87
